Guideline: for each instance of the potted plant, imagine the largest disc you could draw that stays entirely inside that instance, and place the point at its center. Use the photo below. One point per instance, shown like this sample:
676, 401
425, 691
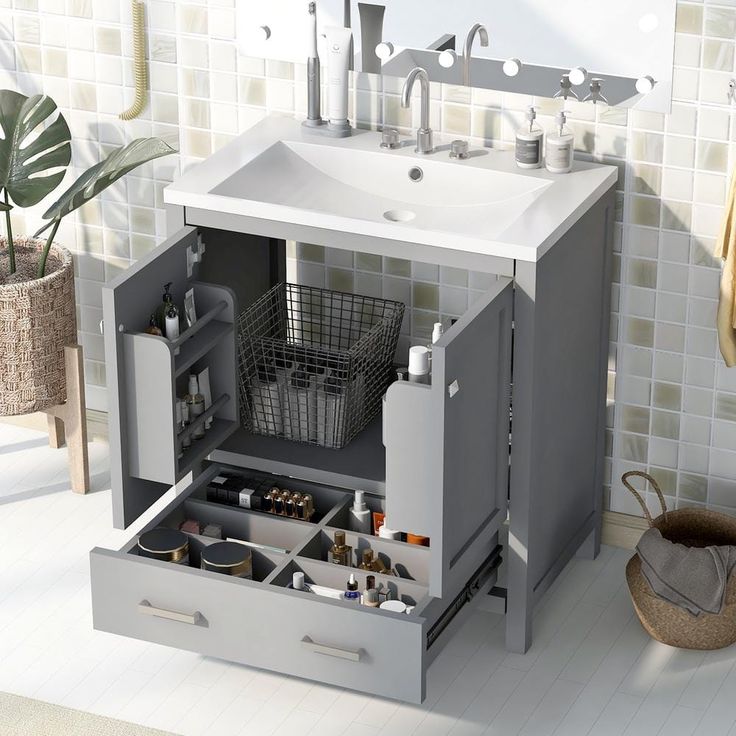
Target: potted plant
37, 305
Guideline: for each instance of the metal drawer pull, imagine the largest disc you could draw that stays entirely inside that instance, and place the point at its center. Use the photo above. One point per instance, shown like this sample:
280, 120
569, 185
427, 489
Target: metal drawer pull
313, 646
194, 619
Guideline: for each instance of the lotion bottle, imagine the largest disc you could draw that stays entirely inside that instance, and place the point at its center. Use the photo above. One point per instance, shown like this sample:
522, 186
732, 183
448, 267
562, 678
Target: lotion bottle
419, 364
195, 403
560, 146
529, 142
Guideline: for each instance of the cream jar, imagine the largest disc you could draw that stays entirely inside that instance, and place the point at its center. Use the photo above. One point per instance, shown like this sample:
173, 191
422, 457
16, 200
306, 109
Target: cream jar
167, 545
228, 558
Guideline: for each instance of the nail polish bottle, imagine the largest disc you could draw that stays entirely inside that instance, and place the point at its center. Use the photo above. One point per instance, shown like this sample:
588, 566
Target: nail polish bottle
370, 598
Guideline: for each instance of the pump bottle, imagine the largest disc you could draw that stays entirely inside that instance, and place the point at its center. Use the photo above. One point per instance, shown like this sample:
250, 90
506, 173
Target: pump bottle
529, 142
560, 146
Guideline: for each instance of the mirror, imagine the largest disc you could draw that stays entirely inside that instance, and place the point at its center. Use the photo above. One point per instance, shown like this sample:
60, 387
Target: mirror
616, 53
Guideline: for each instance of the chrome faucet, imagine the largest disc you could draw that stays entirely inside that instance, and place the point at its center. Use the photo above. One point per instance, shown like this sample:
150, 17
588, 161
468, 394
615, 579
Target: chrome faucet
480, 30
424, 134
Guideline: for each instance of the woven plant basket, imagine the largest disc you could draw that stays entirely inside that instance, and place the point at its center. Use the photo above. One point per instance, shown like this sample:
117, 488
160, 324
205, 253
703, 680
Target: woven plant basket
37, 319
662, 620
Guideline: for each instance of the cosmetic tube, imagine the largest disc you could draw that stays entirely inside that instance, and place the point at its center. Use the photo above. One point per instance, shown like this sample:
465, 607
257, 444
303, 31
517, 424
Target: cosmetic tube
206, 391
338, 66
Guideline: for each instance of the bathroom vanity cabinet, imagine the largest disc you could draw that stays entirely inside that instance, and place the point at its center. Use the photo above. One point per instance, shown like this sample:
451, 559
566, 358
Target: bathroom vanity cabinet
451, 460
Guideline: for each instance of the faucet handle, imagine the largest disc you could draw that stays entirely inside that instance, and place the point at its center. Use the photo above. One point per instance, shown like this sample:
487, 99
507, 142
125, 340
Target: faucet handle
459, 149
390, 138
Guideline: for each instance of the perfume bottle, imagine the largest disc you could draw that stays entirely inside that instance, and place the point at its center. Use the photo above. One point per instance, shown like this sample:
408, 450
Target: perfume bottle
153, 328
340, 553
195, 402
366, 562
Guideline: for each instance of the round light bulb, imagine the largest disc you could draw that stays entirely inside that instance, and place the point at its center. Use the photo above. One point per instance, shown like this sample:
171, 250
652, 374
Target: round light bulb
385, 50
511, 67
578, 75
264, 33
648, 23
447, 58
644, 85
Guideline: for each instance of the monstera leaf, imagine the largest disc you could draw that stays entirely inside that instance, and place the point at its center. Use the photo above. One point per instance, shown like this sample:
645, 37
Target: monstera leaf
100, 176
31, 155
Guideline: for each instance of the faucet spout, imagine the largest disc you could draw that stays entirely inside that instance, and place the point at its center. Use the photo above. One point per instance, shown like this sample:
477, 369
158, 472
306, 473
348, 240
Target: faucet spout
424, 134
477, 30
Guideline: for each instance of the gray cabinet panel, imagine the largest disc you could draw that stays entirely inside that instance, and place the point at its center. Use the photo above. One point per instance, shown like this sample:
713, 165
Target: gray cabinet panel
127, 302
447, 444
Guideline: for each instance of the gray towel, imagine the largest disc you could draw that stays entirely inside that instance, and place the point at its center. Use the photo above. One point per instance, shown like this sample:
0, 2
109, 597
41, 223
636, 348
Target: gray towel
693, 578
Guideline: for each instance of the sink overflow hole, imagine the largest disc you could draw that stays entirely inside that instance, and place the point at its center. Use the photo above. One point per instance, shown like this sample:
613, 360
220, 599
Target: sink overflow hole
416, 174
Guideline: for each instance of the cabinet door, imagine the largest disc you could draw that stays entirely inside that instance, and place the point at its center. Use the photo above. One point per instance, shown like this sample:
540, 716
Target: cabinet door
447, 444
145, 373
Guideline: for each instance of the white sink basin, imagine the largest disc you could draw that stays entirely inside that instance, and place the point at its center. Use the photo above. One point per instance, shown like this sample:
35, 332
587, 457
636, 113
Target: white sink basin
426, 192
302, 170
280, 172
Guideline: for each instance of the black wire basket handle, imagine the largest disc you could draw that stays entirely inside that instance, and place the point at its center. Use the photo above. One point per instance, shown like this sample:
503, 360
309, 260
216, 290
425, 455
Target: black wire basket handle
639, 474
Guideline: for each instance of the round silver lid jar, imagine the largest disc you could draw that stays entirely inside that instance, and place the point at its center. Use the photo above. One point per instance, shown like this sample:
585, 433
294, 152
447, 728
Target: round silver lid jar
228, 558
167, 545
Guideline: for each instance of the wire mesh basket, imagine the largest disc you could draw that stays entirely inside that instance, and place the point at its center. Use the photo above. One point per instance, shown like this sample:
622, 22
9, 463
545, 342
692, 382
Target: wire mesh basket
314, 363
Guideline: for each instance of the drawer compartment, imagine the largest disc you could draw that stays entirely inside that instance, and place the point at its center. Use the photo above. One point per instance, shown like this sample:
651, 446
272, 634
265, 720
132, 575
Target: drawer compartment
261, 622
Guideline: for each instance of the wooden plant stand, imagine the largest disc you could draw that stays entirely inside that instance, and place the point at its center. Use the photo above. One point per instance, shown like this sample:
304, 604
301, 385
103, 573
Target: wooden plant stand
67, 422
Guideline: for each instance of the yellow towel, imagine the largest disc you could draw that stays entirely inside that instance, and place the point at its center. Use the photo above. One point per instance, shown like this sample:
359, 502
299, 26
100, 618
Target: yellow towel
726, 249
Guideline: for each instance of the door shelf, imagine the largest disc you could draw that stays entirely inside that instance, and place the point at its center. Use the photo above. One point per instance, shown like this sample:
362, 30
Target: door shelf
200, 449
200, 344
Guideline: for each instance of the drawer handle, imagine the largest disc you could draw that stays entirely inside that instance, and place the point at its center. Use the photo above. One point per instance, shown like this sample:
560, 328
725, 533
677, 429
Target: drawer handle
313, 646
194, 619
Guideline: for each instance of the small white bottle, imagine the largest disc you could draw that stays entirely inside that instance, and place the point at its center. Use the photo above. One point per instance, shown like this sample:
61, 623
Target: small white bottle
529, 142
437, 331
172, 322
360, 514
385, 532
419, 364
560, 146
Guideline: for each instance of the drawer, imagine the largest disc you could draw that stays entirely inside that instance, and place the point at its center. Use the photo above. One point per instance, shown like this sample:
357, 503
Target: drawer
260, 622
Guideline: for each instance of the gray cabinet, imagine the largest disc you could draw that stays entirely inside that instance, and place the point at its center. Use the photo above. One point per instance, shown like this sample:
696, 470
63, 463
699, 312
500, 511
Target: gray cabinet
445, 460
460, 509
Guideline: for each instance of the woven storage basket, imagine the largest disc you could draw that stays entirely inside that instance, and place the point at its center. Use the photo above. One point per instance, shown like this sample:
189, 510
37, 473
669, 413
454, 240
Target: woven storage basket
663, 620
37, 319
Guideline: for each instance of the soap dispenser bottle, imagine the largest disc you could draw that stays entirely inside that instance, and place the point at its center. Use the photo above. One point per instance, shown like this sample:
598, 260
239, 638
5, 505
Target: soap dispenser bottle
171, 317
560, 146
529, 142
163, 308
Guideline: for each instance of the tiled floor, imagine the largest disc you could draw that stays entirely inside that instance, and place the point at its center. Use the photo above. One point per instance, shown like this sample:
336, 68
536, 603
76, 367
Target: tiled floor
592, 670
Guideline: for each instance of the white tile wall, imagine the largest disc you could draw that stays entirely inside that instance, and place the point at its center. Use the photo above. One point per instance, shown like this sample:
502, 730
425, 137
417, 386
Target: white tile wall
674, 412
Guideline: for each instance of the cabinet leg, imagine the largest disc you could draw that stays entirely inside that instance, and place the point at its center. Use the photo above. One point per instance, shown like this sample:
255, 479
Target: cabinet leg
591, 547
56, 431
75, 419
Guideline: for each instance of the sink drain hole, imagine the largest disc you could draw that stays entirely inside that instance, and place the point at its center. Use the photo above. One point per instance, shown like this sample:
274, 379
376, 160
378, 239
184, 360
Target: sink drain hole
399, 215
416, 174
